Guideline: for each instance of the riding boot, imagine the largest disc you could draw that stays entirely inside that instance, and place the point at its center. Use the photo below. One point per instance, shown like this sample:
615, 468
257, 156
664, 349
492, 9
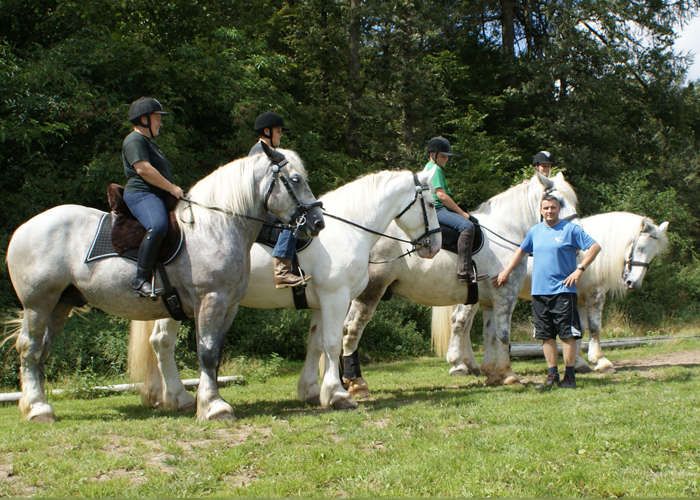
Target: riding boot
148, 253
283, 274
465, 269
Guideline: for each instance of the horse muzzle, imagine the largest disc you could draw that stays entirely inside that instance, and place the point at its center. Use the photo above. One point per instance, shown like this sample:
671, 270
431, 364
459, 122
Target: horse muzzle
313, 221
430, 246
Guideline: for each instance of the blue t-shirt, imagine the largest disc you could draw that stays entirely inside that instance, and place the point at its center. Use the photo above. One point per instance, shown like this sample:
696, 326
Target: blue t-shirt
554, 255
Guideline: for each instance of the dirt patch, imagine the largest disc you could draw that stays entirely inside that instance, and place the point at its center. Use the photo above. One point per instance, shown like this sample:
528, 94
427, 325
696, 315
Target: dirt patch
160, 460
135, 478
242, 477
680, 358
234, 436
379, 424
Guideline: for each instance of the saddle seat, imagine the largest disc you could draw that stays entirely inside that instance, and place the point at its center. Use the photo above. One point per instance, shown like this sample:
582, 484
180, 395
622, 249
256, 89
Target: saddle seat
450, 237
127, 231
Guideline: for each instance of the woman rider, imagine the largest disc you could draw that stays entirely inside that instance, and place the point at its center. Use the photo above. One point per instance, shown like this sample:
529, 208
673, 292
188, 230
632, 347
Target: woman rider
448, 212
543, 162
149, 180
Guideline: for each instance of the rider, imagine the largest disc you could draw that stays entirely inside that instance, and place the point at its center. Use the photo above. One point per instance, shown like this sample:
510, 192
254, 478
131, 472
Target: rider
149, 180
270, 129
448, 212
543, 162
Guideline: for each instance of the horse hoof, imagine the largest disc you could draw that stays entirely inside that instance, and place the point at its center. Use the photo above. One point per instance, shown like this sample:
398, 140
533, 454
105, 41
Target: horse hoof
41, 413
583, 368
459, 371
188, 407
475, 371
218, 410
344, 404
605, 366
359, 392
493, 382
313, 400
511, 380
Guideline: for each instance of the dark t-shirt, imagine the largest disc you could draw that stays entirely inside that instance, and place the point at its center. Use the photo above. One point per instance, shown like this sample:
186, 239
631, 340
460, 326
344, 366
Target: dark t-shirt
138, 147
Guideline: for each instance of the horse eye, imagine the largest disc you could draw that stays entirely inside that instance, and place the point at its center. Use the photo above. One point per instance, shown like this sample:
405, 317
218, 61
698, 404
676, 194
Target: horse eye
296, 178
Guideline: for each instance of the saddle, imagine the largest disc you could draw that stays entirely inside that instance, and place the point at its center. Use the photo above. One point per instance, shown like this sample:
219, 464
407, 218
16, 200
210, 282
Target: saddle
127, 231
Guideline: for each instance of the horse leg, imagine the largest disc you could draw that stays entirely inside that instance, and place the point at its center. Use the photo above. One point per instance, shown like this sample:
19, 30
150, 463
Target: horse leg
360, 313
594, 310
34, 344
459, 351
308, 389
163, 339
497, 331
212, 324
333, 311
581, 366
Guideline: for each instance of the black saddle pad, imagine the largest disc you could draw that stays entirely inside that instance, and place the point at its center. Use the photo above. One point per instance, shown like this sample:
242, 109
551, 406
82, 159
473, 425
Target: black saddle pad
102, 247
450, 237
269, 235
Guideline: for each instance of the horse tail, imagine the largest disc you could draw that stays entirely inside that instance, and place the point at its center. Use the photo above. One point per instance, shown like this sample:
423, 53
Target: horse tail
12, 327
440, 329
142, 358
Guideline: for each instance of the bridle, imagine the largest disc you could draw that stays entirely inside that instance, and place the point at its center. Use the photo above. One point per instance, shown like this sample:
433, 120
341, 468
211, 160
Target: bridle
421, 241
302, 208
630, 262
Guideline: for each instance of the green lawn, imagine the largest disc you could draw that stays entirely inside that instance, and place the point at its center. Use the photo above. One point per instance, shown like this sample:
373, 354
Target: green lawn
423, 433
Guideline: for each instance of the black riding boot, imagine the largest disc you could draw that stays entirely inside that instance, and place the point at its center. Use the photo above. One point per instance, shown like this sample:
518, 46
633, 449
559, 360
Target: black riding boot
148, 253
465, 270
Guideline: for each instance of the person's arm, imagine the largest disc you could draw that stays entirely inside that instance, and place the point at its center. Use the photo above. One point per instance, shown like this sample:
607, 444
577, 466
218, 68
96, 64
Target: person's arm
502, 278
446, 200
151, 175
591, 254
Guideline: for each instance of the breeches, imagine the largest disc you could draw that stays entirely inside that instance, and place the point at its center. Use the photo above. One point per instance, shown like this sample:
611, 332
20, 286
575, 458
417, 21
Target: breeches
149, 210
454, 220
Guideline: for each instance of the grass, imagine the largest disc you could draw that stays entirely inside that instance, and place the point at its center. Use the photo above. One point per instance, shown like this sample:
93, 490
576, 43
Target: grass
422, 433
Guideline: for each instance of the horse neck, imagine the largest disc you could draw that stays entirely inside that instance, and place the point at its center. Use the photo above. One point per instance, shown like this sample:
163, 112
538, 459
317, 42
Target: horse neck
380, 204
516, 210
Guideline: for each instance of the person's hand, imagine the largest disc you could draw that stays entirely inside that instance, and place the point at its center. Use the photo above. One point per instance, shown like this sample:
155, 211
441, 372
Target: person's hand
177, 192
572, 279
501, 279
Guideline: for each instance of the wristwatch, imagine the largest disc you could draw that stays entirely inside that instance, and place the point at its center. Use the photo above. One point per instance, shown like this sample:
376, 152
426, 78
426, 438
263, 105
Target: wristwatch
580, 266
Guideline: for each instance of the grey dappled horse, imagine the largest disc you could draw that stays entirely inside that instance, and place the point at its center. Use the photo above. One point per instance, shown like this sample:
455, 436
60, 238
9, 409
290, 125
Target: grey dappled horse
46, 257
337, 260
434, 283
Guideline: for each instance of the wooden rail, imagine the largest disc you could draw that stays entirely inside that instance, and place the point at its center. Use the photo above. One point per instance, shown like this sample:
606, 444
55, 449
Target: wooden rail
534, 349
190, 384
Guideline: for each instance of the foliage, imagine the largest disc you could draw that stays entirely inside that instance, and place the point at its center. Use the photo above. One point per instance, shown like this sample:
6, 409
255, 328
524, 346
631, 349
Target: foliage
363, 85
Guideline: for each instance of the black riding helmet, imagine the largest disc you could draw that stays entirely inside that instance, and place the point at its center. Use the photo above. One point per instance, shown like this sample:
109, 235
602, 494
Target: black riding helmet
268, 120
439, 145
145, 106
543, 157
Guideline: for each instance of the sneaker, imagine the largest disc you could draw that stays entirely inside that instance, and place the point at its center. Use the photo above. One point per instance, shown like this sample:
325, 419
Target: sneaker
568, 383
552, 381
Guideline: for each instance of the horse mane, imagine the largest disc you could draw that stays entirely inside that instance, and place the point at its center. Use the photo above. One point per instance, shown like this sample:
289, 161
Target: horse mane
350, 200
511, 201
615, 232
232, 188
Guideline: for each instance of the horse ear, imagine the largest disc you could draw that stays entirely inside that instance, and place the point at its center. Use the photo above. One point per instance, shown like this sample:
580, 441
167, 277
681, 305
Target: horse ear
275, 156
267, 149
663, 227
559, 176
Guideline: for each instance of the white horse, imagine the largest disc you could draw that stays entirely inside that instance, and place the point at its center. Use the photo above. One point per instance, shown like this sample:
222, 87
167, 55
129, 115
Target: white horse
508, 215
46, 260
337, 260
629, 242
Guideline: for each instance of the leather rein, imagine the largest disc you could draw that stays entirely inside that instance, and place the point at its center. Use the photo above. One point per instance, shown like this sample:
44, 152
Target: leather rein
422, 241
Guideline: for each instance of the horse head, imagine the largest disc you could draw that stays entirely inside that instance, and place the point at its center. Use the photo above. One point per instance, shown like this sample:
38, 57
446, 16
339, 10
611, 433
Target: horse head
419, 219
288, 195
562, 191
650, 242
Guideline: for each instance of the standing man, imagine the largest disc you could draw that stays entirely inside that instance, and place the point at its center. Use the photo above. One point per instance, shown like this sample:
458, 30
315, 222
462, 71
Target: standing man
448, 212
543, 162
270, 129
553, 244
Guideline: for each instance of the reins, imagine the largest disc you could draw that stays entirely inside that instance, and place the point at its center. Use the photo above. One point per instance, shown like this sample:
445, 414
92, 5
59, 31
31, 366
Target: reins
422, 241
569, 219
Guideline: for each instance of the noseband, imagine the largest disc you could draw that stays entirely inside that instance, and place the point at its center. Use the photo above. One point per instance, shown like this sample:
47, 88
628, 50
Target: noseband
630, 262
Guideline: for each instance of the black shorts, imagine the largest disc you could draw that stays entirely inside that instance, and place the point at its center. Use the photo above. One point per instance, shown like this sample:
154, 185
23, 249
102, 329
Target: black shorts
555, 315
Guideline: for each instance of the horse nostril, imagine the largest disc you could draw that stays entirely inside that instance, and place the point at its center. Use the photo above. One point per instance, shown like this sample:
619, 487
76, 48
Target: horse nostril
320, 224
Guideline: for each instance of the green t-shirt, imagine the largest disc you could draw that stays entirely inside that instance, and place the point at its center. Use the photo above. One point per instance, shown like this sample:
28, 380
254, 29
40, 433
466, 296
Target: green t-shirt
439, 181
138, 147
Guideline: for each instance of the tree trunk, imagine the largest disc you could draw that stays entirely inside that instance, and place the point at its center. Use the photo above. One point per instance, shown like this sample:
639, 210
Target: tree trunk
353, 146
